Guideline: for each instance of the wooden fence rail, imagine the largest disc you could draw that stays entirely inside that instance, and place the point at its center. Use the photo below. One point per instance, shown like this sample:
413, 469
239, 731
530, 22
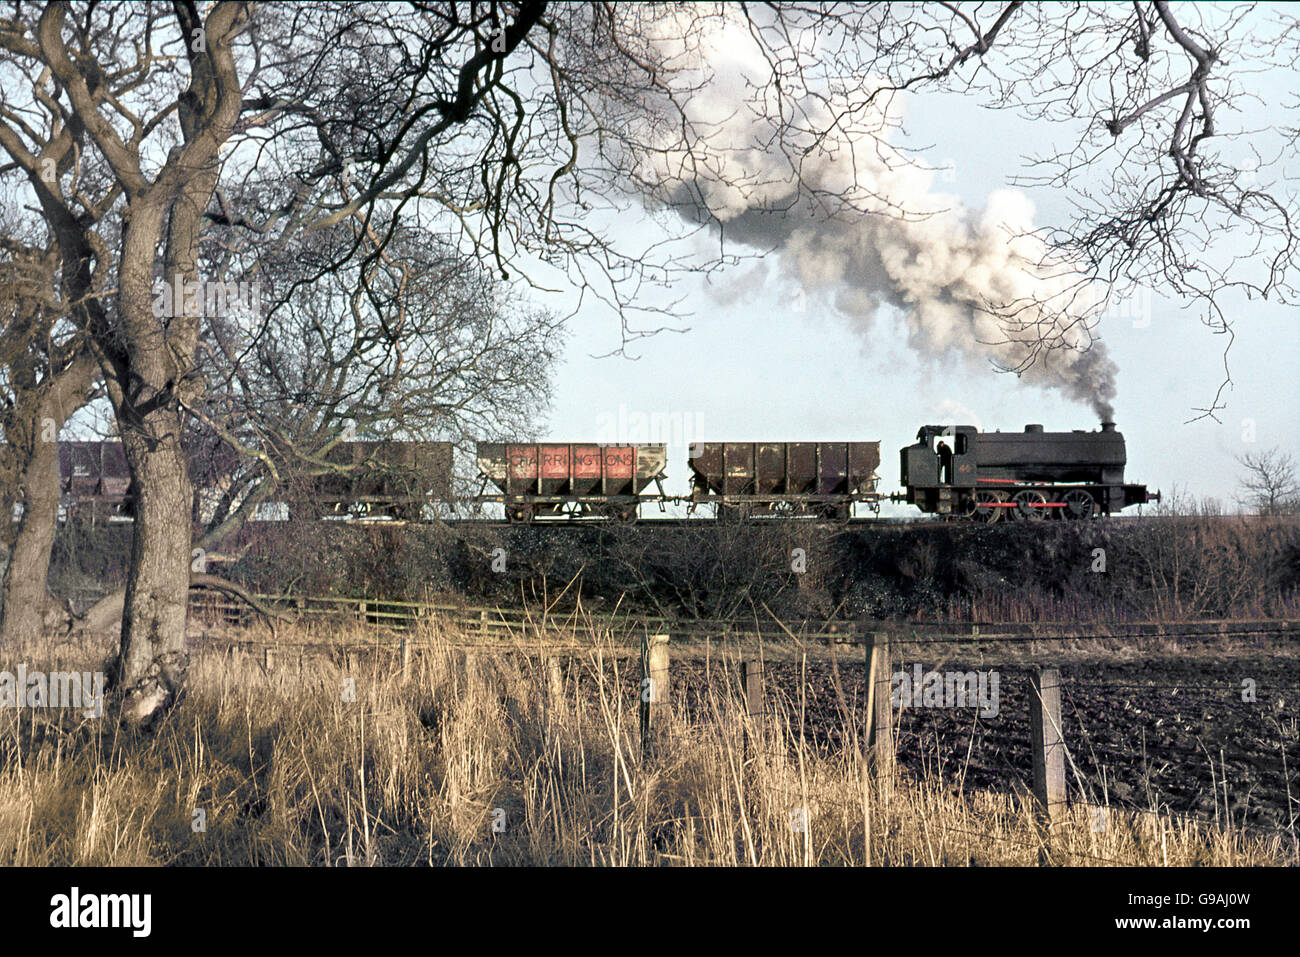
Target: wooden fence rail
498, 622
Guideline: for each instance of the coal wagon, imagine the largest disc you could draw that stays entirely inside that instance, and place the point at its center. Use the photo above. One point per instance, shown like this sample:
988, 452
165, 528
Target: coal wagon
94, 480
802, 479
370, 479
553, 480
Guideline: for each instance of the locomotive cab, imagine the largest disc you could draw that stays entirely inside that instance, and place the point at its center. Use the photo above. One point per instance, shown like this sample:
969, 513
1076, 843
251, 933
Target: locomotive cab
943, 458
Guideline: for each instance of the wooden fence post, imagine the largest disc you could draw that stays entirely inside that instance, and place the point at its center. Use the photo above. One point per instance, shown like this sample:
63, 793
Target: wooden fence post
553, 699
751, 683
880, 711
406, 658
1047, 743
554, 679
268, 658
654, 691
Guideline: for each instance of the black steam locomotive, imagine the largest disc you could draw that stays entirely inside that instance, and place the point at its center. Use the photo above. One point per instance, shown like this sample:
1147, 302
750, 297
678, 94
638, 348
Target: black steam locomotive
951, 471
1026, 476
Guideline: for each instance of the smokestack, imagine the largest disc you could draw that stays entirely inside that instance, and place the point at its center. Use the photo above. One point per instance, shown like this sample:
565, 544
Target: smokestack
1108, 426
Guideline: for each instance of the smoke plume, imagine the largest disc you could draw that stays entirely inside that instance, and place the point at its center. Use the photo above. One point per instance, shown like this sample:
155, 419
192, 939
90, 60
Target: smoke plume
854, 218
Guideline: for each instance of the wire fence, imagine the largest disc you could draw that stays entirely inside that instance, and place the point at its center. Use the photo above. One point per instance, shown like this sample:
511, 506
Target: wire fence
1199, 767
1215, 758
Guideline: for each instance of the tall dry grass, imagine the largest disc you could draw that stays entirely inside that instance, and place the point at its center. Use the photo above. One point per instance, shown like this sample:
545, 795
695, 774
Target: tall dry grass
413, 771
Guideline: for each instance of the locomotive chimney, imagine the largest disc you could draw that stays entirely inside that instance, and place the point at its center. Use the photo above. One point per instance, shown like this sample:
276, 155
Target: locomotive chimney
1033, 428
1108, 426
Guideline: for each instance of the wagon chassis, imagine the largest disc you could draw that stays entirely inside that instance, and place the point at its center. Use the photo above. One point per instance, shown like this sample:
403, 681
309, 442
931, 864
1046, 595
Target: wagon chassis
524, 508
837, 507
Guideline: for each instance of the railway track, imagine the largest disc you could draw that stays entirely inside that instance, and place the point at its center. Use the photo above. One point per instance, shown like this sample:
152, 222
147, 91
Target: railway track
926, 521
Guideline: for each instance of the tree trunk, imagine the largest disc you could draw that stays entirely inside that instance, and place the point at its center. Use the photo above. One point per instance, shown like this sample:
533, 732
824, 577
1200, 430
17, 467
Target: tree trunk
152, 664
25, 601
25, 595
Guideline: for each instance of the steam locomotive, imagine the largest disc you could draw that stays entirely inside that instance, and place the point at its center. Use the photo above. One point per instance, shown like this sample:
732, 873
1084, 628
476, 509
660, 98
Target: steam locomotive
956, 472
1025, 476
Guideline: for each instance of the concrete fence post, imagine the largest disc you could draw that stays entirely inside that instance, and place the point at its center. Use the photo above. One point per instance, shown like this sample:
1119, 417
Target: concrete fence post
1047, 744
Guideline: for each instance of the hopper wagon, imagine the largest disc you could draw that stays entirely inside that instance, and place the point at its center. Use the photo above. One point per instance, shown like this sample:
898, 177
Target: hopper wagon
799, 479
558, 480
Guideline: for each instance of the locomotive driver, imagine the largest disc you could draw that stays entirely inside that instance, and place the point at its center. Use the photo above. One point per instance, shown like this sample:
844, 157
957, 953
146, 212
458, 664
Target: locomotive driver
945, 463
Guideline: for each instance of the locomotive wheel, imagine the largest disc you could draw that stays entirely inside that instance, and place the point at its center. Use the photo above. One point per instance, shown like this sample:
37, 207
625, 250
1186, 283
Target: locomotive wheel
1080, 505
1028, 506
984, 506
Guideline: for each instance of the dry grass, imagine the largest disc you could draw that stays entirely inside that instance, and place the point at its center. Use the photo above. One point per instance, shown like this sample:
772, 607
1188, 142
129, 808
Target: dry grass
287, 771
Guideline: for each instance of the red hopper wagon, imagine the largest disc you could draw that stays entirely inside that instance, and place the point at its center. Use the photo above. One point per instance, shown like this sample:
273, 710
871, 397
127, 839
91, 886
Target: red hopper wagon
563, 480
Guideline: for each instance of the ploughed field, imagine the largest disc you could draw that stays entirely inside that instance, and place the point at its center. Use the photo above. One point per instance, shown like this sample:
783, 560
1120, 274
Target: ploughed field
1166, 733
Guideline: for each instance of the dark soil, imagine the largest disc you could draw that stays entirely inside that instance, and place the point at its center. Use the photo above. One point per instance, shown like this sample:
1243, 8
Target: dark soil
1171, 734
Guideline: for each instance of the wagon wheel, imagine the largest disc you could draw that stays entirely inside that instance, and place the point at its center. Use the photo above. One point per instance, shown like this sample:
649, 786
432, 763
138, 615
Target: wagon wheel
626, 515
732, 514
984, 506
1080, 505
309, 511
407, 512
832, 513
1029, 506
520, 513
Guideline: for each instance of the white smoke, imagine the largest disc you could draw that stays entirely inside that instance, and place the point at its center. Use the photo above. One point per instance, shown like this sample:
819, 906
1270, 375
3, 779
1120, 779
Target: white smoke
851, 215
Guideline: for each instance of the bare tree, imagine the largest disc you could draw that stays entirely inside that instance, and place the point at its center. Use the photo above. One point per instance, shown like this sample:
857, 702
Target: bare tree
529, 128
428, 345
46, 374
312, 117
1269, 485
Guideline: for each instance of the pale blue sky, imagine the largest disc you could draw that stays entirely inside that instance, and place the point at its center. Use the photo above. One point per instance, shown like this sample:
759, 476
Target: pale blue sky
760, 369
